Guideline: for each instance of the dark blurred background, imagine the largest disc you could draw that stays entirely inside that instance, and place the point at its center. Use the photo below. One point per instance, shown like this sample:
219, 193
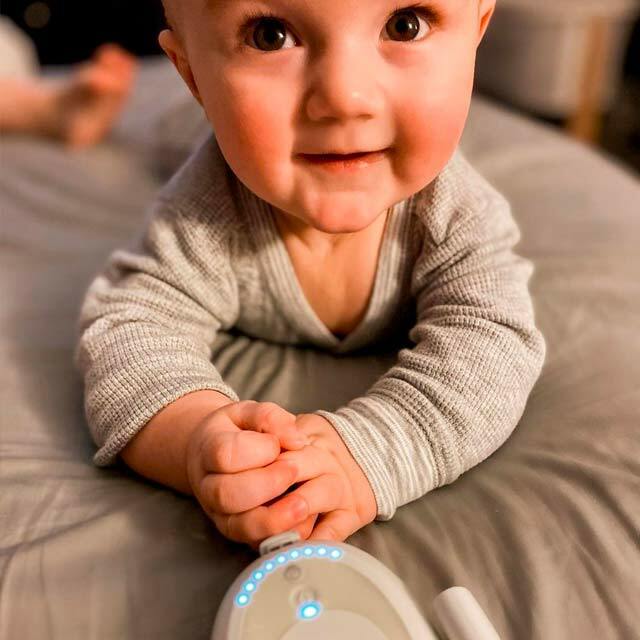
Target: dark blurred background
67, 31
525, 45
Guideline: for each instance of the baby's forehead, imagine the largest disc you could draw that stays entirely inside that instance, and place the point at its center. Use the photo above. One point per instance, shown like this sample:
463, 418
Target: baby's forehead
313, 12
312, 6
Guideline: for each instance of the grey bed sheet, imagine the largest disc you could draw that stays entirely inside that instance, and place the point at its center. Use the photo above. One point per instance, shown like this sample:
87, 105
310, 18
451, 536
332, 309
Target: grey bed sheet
545, 532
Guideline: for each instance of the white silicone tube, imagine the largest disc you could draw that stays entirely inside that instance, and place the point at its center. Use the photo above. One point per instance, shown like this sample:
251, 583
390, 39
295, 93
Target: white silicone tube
460, 617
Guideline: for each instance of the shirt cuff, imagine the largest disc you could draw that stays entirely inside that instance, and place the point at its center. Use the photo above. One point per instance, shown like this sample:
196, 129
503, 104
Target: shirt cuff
378, 437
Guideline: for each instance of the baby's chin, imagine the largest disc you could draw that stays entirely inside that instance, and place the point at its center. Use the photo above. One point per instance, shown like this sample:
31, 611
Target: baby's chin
331, 207
334, 215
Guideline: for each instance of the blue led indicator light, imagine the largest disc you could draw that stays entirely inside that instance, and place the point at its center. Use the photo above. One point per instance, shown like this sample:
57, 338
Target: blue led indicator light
269, 566
308, 551
309, 610
258, 575
281, 559
294, 554
242, 599
335, 554
249, 586
322, 551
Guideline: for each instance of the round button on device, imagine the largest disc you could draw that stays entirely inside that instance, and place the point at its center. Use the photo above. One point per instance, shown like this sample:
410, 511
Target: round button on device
305, 595
292, 573
302, 594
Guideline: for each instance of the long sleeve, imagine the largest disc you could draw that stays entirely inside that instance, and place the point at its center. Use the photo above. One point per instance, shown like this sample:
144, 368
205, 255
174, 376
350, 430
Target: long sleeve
149, 320
454, 398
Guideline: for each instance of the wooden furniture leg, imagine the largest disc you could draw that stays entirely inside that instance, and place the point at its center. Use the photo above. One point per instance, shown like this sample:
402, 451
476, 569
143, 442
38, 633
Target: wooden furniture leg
586, 123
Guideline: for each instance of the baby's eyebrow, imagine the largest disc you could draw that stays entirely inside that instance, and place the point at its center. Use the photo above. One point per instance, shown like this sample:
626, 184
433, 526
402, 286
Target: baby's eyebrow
211, 4
220, 5
214, 4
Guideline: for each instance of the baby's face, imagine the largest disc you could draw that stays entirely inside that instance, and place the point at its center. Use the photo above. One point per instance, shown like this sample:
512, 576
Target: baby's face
332, 76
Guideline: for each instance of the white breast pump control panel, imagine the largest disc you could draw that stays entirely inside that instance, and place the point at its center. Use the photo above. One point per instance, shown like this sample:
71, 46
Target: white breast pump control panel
316, 590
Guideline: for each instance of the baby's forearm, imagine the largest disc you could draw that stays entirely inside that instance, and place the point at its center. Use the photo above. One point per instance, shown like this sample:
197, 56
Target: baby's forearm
158, 451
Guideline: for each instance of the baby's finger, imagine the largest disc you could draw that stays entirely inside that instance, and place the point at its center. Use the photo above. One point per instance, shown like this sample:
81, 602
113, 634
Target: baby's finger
320, 495
269, 417
229, 493
235, 451
311, 462
304, 529
336, 526
261, 522
315, 496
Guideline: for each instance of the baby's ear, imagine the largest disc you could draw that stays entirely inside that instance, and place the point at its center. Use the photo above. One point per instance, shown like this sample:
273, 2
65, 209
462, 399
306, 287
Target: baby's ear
172, 46
486, 9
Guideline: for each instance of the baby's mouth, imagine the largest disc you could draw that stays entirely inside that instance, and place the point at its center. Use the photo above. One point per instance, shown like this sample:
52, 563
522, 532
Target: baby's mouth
327, 157
344, 160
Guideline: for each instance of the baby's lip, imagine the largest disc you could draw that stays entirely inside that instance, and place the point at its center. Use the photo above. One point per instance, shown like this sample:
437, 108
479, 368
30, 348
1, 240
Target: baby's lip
337, 155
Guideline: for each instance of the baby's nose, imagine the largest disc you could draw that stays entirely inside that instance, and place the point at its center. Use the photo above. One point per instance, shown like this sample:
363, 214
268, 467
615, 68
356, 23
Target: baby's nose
343, 84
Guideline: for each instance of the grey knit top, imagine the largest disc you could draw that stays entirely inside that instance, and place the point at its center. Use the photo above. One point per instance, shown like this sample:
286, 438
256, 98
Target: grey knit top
210, 258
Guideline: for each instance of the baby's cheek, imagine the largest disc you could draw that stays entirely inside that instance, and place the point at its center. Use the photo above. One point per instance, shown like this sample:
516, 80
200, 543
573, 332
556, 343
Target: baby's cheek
428, 139
251, 126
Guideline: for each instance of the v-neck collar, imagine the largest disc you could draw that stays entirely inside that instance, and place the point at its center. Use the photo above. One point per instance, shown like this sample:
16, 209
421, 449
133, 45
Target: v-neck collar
284, 282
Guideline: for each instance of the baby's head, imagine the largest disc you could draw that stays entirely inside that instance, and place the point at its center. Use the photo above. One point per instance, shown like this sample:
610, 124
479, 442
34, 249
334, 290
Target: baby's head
280, 78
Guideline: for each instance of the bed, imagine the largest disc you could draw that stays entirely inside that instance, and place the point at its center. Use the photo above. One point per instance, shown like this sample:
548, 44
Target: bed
545, 532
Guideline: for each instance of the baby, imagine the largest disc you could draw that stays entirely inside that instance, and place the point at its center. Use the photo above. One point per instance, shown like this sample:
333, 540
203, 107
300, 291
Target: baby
331, 206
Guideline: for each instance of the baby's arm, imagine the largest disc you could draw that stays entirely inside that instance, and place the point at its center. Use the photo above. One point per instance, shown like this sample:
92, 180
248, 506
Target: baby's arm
454, 398
159, 450
145, 333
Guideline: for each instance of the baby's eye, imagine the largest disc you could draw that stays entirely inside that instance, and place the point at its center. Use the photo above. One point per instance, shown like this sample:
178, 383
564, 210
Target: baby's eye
404, 25
269, 34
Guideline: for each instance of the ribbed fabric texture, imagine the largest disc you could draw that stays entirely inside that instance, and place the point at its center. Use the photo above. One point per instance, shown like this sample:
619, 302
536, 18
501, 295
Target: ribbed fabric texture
210, 258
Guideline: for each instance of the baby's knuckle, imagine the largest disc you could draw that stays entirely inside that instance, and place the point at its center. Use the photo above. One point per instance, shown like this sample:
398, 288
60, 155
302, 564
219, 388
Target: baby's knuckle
223, 453
235, 529
221, 522
289, 466
264, 413
336, 485
330, 532
229, 527
286, 467
274, 525
221, 496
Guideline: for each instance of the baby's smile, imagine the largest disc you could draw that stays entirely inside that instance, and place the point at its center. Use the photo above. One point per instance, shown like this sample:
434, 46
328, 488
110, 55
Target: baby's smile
341, 162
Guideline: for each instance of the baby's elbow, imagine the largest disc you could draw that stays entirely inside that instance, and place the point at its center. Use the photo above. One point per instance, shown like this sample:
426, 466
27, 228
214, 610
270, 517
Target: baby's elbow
536, 353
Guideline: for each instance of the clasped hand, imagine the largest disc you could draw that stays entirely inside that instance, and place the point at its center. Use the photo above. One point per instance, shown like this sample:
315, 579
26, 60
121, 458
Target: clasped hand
258, 470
